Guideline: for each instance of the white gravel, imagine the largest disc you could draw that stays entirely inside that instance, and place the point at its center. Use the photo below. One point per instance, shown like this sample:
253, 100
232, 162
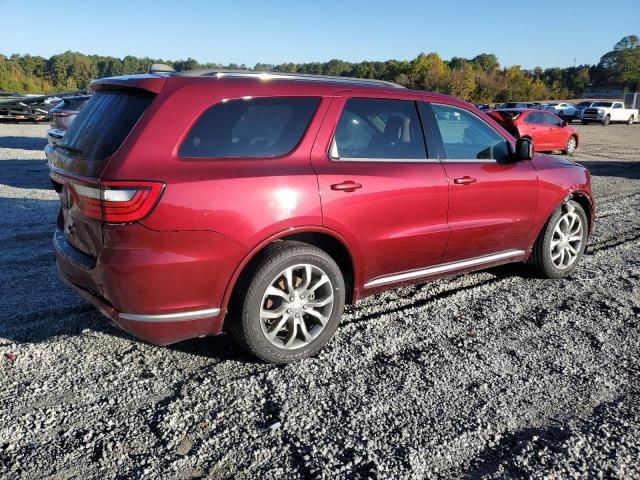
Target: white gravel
488, 375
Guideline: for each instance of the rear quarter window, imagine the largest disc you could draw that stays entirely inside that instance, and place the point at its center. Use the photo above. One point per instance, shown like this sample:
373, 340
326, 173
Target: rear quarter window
250, 128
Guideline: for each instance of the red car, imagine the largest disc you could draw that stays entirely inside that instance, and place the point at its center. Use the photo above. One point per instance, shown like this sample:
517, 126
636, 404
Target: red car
265, 202
547, 131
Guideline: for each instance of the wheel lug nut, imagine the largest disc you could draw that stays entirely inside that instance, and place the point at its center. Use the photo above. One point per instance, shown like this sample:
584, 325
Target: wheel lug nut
291, 299
297, 315
302, 297
304, 307
288, 310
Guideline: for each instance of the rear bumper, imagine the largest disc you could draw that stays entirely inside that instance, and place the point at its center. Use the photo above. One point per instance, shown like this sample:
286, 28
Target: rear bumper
157, 329
163, 287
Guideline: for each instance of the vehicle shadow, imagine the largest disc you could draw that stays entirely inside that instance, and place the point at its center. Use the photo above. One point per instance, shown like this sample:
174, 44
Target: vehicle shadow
622, 168
23, 143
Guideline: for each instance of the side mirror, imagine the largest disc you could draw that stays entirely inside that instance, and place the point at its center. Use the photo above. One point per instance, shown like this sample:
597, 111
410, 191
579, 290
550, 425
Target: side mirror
524, 149
563, 123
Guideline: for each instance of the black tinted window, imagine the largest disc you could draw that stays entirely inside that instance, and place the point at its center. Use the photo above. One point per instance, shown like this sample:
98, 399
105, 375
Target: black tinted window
465, 136
260, 127
379, 128
551, 119
535, 118
103, 124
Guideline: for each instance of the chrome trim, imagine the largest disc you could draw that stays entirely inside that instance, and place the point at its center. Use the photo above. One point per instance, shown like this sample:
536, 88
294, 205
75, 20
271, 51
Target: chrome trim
445, 267
171, 317
469, 160
388, 160
335, 156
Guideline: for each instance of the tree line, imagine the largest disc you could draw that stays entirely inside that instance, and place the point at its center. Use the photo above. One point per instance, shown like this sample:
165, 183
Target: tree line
480, 79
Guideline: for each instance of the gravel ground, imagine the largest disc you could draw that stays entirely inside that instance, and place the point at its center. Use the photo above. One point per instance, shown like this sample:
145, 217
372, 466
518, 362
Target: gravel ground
488, 375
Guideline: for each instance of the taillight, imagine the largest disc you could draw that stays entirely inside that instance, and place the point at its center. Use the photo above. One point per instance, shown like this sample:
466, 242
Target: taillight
128, 201
61, 114
113, 201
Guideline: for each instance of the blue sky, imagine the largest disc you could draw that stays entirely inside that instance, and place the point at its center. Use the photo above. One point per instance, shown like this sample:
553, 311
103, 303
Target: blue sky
537, 33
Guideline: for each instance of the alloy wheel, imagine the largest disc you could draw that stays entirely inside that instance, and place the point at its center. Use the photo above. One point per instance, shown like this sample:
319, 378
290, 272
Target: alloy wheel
566, 240
296, 306
571, 145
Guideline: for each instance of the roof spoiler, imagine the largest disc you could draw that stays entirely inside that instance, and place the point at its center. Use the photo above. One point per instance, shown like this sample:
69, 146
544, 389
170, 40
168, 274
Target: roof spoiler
161, 68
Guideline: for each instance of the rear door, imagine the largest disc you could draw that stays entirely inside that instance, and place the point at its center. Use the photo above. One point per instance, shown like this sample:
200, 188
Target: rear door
492, 200
379, 187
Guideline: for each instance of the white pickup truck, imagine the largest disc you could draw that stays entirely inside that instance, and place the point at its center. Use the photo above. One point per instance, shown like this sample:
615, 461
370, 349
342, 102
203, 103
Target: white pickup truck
607, 112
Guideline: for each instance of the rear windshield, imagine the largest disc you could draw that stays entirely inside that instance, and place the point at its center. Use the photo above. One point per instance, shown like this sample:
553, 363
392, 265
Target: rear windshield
602, 104
104, 123
73, 104
250, 128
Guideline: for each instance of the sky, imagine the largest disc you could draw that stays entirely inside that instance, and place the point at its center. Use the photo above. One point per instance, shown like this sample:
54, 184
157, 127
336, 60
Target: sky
544, 33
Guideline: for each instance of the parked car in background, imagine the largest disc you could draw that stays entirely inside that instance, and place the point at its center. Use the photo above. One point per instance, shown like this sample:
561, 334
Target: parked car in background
580, 107
566, 111
518, 105
548, 132
483, 106
607, 112
265, 202
62, 116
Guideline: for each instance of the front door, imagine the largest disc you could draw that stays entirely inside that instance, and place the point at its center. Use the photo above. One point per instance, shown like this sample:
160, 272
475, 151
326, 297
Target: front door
492, 201
378, 187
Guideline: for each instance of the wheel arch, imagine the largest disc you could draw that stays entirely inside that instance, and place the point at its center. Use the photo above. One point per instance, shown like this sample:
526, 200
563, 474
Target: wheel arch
325, 239
586, 203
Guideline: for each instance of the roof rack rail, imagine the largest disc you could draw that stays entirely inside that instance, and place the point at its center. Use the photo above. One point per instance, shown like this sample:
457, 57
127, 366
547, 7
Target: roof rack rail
161, 68
288, 76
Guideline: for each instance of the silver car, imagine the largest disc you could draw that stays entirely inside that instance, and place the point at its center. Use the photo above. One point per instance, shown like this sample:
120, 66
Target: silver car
62, 116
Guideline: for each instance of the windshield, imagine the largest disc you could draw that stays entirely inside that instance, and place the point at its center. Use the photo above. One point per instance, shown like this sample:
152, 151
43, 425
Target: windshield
602, 104
584, 104
104, 123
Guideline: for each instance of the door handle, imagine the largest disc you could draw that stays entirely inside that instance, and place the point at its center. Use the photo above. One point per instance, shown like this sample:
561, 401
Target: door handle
347, 186
466, 180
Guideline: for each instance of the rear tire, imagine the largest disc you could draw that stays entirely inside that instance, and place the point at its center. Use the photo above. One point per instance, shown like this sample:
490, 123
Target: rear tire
291, 305
630, 121
606, 121
561, 242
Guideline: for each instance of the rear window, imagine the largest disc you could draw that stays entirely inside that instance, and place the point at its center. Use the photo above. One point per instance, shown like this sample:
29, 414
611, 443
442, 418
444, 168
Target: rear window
250, 128
72, 104
103, 124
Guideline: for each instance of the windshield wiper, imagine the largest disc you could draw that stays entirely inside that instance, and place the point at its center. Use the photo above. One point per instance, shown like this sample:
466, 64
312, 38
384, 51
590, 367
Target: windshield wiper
68, 148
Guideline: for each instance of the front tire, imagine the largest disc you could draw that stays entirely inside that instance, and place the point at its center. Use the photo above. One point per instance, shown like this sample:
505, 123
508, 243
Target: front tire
561, 243
606, 121
572, 144
291, 306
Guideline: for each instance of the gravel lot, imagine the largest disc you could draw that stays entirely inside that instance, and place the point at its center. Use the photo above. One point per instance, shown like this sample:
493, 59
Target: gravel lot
491, 375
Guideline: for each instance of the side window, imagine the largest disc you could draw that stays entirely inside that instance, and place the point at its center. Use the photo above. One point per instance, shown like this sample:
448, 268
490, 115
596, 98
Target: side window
467, 137
251, 128
379, 128
535, 118
551, 120
617, 105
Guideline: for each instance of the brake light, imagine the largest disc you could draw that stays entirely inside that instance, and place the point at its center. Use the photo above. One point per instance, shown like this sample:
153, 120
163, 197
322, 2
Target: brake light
113, 201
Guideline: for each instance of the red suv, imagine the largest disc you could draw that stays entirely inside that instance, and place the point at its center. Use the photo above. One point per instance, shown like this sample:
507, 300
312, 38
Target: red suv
271, 200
